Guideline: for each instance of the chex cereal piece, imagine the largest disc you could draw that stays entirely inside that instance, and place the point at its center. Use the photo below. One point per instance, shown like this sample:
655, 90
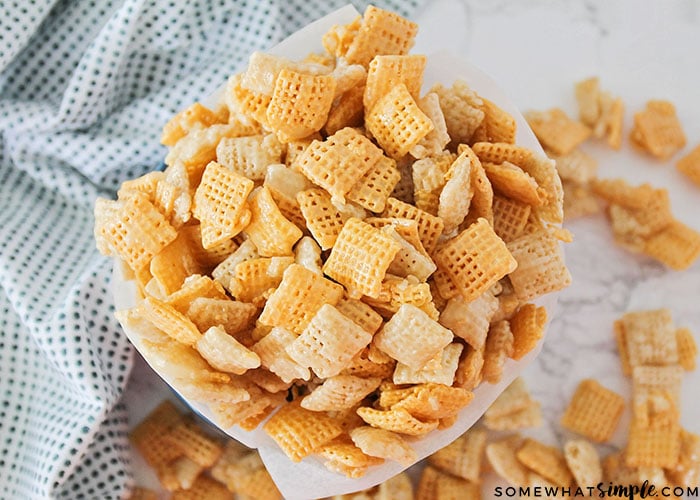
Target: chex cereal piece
462, 457
225, 353
499, 152
556, 131
498, 348
470, 320
577, 166
527, 325
347, 111
594, 411
195, 115
360, 257
445, 374
398, 420
299, 296
690, 165
515, 397
449, 486
225, 272
658, 378
249, 156
139, 493
322, 218
245, 106
687, 348
195, 286
252, 480
677, 246
382, 443
398, 487
396, 122
468, 374
527, 417
429, 227
362, 366
328, 343
434, 401
146, 184
588, 99
621, 342
148, 437
687, 470
385, 72
360, 313
411, 337
220, 204
133, 229
579, 201
547, 461
584, 462
540, 266
262, 72
169, 320
655, 407
653, 446
497, 125
427, 485
343, 456
269, 230
256, 277
509, 217
339, 392
650, 338
409, 261
428, 180
502, 457
482, 201
299, 431
619, 192
381, 33
457, 192
374, 187
194, 443
339, 162
657, 130
475, 259
203, 488
300, 104
174, 263
438, 138
544, 171
461, 107
511, 181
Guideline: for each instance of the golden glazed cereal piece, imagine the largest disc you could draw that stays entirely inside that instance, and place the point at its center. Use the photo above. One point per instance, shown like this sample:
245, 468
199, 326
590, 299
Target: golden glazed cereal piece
300, 104
225, 353
434, 401
444, 374
527, 417
225, 271
462, 109
462, 457
298, 298
339, 162
249, 156
594, 411
511, 181
262, 72
268, 229
677, 246
148, 437
411, 337
475, 259
656, 446
322, 218
547, 461
174, 263
194, 116
556, 131
374, 187
577, 166
220, 204
258, 277
457, 192
687, 470
499, 152
509, 217
380, 33
273, 355
383, 444
502, 457
409, 261
621, 341
360, 313
245, 106
133, 229
347, 111
540, 266
497, 125
657, 130
145, 184
195, 286
498, 348
344, 457
396, 122
362, 366
650, 338
203, 487
544, 171
173, 195
299, 431
193, 443
166, 318
307, 253
429, 227
468, 374
328, 343
209, 258
658, 378
687, 348
690, 165
438, 138
527, 325
360, 257
233, 316
514, 398
385, 72
399, 421
340, 392
584, 462
470, 320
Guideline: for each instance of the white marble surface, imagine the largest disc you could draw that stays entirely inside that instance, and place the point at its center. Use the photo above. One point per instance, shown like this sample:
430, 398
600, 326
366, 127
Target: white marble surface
536, 50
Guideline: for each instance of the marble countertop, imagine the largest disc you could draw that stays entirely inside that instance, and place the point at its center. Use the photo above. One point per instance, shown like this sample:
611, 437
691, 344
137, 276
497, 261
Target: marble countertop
536, 50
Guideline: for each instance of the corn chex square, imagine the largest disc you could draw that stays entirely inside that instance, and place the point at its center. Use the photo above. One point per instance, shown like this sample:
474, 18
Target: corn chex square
690, 165
594, 411
411, 337
360, 257
220, 204
475, 259
387, 71
687, 348
547, 461
509, 217
339, 393
298, 298
374, 187
329, 342
430, 227
339, 162
497, 125
271, 232
461, 108
658, 130
556, 131
195, 115
249, 156
653, 446
676, 246
396, 122
470, 320
650, 337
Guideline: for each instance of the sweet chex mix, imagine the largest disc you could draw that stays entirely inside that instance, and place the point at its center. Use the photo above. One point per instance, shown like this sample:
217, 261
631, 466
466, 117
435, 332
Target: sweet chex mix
337, 258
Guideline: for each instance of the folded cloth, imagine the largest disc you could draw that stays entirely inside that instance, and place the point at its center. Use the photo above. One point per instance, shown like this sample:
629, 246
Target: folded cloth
85, 87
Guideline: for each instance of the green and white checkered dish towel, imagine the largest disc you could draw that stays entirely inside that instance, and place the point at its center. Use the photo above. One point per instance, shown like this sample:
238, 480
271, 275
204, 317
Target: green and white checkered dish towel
85, 87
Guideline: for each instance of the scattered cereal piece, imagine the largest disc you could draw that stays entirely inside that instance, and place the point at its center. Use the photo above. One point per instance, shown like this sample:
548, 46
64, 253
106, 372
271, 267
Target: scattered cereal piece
383, 444
502, 456
462, 457
657, 130
556, 131
690, 165
687, 348
594, 411
547, 461
584, 462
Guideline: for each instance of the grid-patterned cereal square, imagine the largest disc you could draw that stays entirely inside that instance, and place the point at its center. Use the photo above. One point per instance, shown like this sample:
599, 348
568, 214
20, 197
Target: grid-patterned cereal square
387, 71
461, 108
437, 139
498, 348
374, 187
273, 355
556, 131
658, 130
655, 446
547, 461
171, 321
329, 342
650, 338
400, 421
411, 337
445, 374
347, 111
463, 457
339, 162
249, 156
271, 232
360, 257
497, 125
360, 313
540, 266
232, 315
322, 217
381, 33
299, 296
396, 122
509, 217
195, 444
430, 227
470, 320
513, 182
527, 325
498, 152
299, 431
256, 277
677, 246
409, 261
220, 204
658, 379
339, 393
195, 115
690, 165
475, 259
594, 411
687, 348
